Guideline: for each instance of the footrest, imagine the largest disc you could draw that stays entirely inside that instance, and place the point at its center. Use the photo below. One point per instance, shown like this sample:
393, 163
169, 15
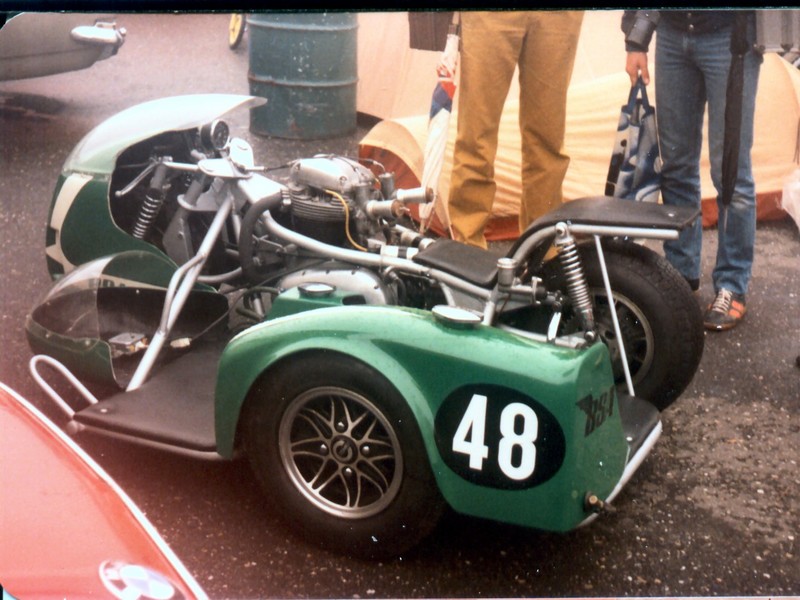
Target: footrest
639, 418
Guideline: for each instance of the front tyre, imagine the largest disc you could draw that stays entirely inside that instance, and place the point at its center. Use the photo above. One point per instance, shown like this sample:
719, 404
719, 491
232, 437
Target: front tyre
337, 448
660, 320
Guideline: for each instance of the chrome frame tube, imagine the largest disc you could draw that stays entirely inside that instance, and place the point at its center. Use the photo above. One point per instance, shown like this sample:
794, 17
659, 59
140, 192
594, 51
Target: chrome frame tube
367, 259
602, 230
181, 284
33, 366
631, 232
617, 331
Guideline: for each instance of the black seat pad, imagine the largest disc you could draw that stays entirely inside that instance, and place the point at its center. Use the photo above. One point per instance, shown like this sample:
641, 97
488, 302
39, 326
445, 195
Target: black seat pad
473, 264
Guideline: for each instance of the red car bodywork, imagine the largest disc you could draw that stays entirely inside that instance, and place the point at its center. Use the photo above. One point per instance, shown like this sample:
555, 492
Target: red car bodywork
67, 529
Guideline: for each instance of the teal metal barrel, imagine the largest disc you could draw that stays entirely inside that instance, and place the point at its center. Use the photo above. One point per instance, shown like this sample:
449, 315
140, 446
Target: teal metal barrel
306, 66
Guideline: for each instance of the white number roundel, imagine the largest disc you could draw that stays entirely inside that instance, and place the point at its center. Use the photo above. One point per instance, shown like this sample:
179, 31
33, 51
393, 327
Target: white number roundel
498, 437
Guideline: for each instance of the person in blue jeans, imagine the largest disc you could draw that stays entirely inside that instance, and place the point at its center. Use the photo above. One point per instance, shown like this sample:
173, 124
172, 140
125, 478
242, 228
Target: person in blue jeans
692, 62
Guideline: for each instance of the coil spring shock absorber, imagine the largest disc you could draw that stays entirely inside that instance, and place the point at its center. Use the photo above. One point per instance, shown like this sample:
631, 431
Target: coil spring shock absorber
151, 206
577, 286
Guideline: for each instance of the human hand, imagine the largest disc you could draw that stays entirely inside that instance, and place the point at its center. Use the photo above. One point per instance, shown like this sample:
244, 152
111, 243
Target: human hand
635, 65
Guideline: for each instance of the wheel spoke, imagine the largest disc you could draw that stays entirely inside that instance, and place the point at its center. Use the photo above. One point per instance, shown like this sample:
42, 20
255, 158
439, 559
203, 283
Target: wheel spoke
372, 473
320, 487
318, 422
309, 447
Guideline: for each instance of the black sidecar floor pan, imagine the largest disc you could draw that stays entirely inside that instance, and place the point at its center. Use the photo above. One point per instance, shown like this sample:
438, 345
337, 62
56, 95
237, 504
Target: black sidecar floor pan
174, 408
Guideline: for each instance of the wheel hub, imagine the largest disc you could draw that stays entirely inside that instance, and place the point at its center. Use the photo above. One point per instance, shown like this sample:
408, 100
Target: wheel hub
344, 450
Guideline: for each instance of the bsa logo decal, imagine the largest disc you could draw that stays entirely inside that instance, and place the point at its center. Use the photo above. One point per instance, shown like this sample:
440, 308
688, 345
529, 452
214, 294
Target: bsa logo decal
597, 409
498, 437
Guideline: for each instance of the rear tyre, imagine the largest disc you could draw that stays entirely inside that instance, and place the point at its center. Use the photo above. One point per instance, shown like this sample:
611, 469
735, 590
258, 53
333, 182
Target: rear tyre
336, 447
660, 319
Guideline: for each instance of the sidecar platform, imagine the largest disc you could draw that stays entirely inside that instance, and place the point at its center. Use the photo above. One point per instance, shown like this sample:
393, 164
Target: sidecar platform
174, 409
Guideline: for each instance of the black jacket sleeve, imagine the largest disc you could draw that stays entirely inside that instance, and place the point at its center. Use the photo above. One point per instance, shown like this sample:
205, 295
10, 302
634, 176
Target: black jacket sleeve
638, 27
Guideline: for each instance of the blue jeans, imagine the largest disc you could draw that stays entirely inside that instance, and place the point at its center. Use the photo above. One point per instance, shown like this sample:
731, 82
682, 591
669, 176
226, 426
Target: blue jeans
692, 72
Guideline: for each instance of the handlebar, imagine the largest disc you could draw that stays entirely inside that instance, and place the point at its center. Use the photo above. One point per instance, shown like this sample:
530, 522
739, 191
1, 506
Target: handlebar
239, 163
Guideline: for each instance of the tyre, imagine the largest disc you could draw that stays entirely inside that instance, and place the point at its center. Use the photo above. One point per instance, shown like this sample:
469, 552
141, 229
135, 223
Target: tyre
660, 319
236, 29
334, 444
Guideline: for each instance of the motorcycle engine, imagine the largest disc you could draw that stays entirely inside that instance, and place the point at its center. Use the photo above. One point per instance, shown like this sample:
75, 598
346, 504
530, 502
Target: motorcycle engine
328, 195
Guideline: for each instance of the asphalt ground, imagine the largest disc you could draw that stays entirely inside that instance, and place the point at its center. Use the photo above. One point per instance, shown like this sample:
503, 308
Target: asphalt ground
713, 511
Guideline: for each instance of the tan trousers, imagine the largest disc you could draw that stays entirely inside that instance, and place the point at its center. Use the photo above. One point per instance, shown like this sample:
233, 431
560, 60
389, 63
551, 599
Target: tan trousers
543, 43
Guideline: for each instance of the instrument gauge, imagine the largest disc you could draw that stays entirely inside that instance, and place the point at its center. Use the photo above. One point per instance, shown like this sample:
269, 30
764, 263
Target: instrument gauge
215, 135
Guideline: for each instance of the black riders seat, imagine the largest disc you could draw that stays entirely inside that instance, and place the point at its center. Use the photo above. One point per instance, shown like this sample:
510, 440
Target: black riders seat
473, 264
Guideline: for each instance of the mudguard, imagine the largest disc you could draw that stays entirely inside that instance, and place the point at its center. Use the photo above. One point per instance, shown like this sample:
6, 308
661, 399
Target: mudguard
516, 430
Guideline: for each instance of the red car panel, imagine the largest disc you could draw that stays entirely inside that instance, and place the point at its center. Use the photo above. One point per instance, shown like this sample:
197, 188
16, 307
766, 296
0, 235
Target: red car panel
67, 528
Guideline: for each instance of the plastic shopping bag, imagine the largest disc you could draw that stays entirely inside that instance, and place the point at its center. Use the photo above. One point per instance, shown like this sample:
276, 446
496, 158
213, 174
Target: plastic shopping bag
634, 172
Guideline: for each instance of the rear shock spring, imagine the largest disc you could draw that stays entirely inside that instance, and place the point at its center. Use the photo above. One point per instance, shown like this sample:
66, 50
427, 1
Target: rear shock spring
147, 215
153, 200
575, 278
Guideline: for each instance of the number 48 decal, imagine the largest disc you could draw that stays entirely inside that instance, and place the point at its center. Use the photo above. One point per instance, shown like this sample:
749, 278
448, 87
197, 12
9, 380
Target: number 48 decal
516, 452
498, 437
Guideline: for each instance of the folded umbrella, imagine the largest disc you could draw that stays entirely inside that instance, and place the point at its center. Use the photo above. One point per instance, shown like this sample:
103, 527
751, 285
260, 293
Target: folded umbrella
733, 108
438, 127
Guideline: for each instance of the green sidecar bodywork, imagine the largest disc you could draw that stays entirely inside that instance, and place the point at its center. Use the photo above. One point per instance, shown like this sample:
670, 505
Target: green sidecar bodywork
515, 430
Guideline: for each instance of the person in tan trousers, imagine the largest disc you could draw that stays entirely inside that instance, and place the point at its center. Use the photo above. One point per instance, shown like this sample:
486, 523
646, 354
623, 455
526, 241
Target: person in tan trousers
543, 44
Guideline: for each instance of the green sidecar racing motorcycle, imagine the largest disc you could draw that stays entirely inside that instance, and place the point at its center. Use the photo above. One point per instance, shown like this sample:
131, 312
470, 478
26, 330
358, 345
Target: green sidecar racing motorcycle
371, 376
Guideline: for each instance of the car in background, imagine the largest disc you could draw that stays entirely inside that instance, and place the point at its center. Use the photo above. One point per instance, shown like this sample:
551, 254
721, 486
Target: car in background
38, 44
68, 530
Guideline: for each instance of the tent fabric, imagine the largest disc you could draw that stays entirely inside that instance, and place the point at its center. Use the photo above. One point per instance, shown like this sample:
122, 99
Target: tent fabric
592, 113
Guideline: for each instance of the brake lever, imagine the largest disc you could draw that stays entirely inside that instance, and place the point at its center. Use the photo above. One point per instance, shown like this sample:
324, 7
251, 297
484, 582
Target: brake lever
141, 176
